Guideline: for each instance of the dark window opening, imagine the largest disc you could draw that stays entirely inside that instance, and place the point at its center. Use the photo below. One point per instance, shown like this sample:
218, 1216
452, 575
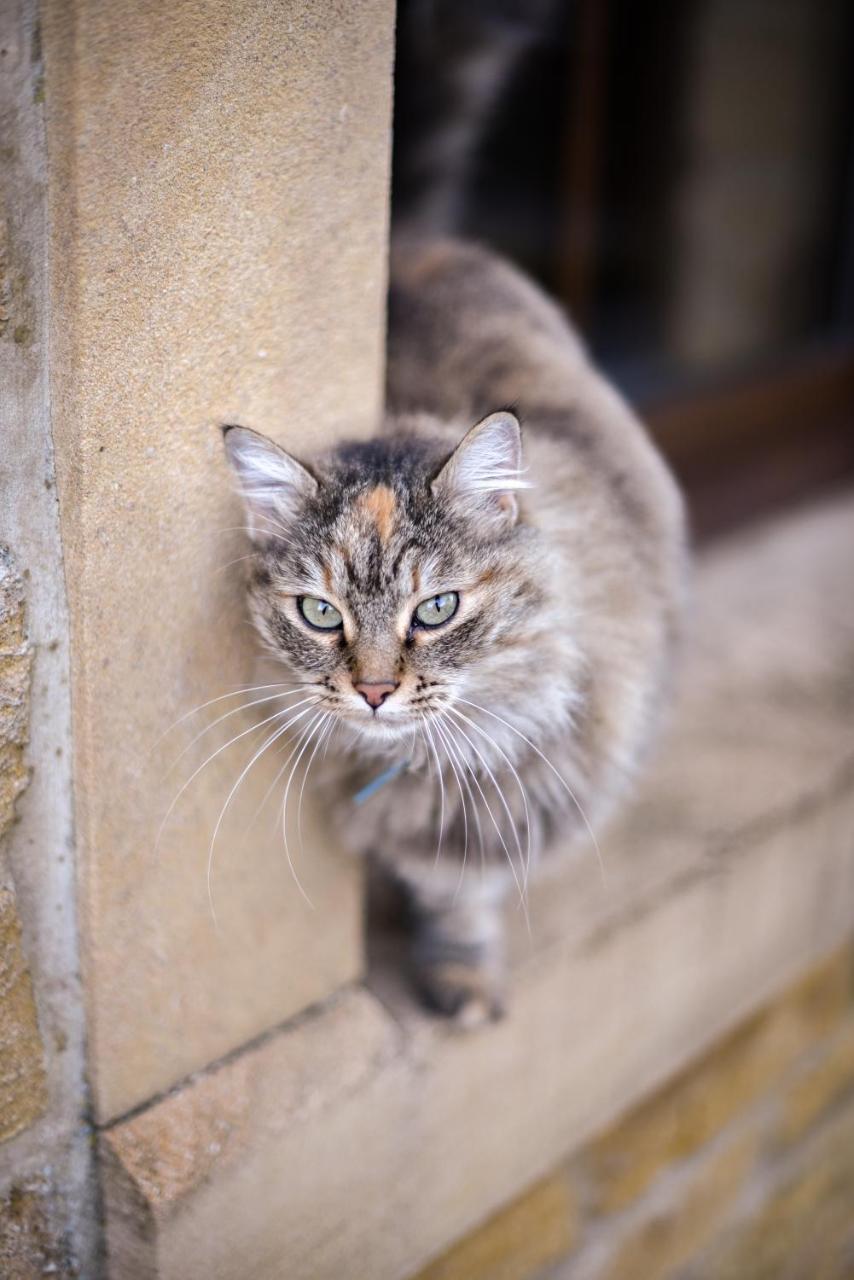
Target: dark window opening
681, 175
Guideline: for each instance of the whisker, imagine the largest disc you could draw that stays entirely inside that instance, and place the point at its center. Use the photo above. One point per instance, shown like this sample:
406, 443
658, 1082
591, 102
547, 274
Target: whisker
499, 793
252, 729
274, 527
237, 560
452, 746
321, 733
270, 740
336, 724
233, 693
511, 767
244, 706
498, 831
560, 779
444, 742
305, 738
441, 792
270, 789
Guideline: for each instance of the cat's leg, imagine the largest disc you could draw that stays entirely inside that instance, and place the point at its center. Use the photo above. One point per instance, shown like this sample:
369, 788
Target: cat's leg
458, 946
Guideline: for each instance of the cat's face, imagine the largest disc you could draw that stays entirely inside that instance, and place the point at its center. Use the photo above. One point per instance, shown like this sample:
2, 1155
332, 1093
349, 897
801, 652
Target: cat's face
390, 576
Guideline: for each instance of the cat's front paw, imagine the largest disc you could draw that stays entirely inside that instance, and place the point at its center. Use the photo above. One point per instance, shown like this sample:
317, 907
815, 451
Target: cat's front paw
470, 997
464, 983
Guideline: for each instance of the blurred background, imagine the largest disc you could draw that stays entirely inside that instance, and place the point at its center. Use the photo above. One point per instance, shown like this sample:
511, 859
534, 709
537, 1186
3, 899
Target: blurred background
681, 176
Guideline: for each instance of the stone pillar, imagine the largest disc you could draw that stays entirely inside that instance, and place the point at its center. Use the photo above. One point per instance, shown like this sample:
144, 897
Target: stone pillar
218, 242
47, 1203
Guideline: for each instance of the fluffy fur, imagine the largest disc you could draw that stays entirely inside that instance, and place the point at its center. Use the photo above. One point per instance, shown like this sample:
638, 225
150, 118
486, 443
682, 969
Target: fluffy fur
519, 720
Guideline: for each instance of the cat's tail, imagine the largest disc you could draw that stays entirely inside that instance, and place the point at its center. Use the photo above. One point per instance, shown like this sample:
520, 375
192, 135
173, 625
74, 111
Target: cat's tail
454, 64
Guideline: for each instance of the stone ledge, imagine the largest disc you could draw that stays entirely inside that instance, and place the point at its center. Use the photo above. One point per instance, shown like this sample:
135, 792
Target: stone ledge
362, 1140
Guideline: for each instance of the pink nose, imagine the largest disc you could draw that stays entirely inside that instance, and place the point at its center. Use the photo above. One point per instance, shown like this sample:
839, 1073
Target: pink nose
375, 692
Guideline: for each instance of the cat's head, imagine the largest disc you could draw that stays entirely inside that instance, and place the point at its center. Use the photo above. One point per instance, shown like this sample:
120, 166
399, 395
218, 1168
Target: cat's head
393, 574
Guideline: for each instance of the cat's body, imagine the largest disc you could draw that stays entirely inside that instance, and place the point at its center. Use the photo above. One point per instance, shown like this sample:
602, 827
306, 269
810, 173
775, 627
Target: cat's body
513, 721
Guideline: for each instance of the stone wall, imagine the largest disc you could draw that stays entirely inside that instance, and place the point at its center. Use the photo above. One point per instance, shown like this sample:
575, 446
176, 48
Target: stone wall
739, 1168
47, 1195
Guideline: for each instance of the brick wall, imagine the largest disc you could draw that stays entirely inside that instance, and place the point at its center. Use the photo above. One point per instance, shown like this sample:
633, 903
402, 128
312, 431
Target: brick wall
741, 1168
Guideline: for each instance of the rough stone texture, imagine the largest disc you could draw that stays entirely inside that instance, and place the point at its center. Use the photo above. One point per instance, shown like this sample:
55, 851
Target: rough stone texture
806, 1227
820, 1085
689, 1111
16, 660
733, 874
714, 1180
31, 1246
667, 1240
23, 1094
218, 205
178, 1149
22, 1076
517, 1242
45, 1167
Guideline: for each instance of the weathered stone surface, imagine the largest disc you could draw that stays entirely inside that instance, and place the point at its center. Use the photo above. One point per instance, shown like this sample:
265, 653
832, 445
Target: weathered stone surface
668, 1239
517, 1242
22, 1075
30, 1246
268, 1101
689, 1111
15, 669
820, 1085
433, 1138
52, 1153
23, 1094
218, 213
806, 1227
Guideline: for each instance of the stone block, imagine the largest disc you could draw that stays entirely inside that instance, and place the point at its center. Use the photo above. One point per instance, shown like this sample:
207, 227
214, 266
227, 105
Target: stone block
669, 1238
452, 1126
537, 1229
30, 1245
217, 194
23, 1090
805, 1227
15, 673
242, 1137
818, 1087
750, 1063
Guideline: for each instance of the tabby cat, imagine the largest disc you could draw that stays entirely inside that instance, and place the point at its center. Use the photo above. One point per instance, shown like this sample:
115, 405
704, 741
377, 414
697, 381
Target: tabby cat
486, 594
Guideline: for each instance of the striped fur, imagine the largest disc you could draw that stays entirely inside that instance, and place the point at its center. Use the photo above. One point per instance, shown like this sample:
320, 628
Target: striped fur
529, 710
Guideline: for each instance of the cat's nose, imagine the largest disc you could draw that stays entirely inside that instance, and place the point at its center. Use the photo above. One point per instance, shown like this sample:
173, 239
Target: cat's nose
375, 692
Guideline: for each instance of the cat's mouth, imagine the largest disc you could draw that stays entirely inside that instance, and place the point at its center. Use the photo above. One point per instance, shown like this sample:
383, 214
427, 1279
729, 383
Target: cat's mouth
383, 724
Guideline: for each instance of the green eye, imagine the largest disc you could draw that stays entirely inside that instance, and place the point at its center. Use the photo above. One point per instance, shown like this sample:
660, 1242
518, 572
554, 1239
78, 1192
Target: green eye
319, 613
438, 609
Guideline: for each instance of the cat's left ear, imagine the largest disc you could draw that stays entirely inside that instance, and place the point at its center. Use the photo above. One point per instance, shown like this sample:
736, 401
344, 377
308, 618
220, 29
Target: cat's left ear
272, 483
484, 471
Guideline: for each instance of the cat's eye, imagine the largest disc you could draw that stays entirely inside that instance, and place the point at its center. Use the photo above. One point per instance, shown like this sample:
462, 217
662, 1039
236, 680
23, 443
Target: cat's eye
319, 613
438, 609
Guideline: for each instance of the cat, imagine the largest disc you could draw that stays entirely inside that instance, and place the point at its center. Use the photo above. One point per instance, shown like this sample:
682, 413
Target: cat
487, 593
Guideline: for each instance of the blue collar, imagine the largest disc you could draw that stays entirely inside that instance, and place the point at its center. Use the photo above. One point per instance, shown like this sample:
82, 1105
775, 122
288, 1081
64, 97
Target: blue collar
372, 787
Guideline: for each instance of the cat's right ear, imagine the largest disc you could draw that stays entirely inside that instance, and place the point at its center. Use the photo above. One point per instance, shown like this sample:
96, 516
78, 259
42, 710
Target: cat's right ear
271, 482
